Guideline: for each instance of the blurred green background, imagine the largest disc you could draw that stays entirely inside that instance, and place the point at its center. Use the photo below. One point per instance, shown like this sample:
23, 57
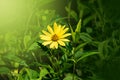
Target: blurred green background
15, 14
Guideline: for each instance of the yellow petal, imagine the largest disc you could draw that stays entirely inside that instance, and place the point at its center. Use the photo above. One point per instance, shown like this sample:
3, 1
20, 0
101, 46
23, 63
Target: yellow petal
44, 37
63, 27
50, 29
46, 33
61, 43
55, 26
65, 40
46, 43
65, 35
58, 29
54, 45
64, 31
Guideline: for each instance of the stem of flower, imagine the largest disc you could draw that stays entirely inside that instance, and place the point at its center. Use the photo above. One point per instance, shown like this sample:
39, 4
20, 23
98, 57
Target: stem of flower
73, 70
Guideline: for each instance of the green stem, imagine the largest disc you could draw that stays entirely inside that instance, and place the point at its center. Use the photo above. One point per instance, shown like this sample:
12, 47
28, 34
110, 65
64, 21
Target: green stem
73, 70
51, 57
73, 52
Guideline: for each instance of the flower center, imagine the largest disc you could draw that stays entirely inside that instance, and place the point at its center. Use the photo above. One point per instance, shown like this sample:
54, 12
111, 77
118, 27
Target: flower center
54, 37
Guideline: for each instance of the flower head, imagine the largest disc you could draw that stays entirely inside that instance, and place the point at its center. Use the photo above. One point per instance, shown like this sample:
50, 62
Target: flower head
56, 36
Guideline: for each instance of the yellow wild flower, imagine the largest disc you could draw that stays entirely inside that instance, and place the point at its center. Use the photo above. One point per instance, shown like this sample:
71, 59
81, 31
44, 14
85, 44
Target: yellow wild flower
56, 36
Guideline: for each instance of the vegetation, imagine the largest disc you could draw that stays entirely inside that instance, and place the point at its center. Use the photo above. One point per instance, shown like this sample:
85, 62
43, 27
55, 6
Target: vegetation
90, 52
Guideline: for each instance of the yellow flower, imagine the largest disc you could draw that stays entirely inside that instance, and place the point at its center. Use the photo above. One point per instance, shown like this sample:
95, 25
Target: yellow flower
55, 36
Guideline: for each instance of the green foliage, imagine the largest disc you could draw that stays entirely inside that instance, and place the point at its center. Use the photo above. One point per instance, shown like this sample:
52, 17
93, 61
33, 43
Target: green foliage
43, 72
70, 77
4, 70
91, 54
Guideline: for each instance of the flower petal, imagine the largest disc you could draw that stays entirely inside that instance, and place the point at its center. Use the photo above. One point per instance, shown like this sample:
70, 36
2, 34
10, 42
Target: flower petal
46, 33
63, 27
54, 45
64, 31
57, 28
59, 31
46, 43
44, 37
65, 40
61, 43
65, 35
50, 29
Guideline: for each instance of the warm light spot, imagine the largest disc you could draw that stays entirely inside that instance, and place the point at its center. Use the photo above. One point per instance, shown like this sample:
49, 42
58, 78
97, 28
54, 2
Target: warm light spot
13, 14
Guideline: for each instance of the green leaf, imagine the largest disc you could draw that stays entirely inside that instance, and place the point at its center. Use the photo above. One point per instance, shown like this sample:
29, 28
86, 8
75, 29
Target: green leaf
43, 72
12, 57
78, 28
1, 61
88, 19
73, 33
64, 57
87, 54
80, 46
70, 76
103, 49
78, 54
33, 46
85, 37
32, 73
4, 70
27, 39
28, 74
